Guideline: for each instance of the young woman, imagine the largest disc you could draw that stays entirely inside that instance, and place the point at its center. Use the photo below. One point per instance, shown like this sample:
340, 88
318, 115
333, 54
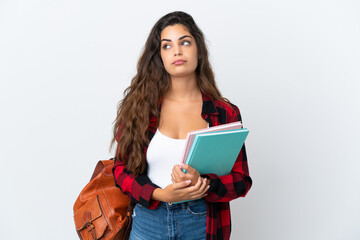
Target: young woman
174, 92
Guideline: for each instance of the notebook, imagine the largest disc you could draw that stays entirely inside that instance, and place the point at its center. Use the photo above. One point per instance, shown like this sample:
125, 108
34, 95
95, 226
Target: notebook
216, 152
191, 135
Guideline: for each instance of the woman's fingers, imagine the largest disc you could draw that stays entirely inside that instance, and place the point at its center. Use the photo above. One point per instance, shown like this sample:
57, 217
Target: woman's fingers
174, 175
203, 187
179, 174
183, 191
188, 168
192, 173
198, 189
197, 186
204, 195
182, 184
175, 172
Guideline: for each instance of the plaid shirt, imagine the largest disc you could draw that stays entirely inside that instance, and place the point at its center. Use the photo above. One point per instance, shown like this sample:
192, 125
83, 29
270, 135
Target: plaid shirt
222, 189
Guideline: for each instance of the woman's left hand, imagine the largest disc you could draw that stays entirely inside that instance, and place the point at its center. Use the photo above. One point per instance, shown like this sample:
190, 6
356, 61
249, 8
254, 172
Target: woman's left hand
178, 175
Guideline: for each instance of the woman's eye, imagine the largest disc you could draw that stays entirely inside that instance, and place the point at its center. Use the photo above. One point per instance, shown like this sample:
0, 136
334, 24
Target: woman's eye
186, 43
165, 46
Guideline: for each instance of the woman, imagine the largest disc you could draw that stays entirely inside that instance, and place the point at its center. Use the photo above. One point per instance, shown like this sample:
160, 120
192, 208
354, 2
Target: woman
174, 92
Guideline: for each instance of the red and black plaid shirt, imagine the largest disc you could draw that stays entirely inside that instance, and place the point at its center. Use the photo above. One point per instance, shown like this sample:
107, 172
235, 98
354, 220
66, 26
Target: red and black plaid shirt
222, 189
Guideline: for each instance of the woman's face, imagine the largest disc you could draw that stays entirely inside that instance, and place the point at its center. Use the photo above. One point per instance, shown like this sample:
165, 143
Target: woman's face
178, 51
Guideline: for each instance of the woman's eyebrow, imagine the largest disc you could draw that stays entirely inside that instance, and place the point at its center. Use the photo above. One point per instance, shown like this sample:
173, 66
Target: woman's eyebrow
179, 38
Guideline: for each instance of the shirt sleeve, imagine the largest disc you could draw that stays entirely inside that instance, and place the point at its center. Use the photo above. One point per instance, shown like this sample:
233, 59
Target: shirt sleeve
238, 182
138, 188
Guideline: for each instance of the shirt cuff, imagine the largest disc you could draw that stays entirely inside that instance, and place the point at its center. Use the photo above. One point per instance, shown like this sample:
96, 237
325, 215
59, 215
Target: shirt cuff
145, 198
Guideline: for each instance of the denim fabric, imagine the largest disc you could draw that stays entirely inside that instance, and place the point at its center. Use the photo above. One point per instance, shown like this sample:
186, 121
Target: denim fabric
182, 221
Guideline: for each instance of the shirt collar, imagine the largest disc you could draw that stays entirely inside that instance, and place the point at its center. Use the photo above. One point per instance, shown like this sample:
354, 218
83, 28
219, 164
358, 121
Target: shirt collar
208, 104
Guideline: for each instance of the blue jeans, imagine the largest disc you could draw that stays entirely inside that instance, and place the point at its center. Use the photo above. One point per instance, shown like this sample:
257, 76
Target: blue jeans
170, 221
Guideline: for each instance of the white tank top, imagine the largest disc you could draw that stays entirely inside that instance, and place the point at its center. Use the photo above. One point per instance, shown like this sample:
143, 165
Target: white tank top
162, 154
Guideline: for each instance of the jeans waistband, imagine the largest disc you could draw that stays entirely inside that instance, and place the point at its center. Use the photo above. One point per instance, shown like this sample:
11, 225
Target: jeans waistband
181, 205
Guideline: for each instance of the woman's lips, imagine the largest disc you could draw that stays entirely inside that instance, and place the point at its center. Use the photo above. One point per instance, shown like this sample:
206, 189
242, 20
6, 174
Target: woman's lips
179, 62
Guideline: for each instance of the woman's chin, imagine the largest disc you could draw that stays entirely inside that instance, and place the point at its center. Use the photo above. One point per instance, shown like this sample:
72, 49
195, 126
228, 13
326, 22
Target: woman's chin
178, 74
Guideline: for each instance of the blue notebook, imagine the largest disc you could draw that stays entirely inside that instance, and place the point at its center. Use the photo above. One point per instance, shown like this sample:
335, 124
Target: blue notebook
216, 152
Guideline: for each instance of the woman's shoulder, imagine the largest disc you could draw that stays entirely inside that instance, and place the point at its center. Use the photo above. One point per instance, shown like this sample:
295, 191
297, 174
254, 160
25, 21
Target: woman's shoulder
227, 107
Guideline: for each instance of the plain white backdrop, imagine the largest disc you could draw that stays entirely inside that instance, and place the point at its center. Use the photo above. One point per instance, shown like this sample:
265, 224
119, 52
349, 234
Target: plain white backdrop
292, 67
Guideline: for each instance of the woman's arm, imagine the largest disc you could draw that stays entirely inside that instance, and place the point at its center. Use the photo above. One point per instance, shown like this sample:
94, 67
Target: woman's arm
182, 191
138, 188
141, 190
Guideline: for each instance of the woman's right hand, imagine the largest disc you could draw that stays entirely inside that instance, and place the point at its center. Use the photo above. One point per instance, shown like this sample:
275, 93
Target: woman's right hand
181, 191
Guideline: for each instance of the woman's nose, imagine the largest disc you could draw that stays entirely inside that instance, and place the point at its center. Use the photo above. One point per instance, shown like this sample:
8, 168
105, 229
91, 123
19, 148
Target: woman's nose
178, 51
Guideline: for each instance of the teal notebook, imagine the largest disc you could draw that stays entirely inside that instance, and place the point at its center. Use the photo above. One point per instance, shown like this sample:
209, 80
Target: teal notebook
216, 152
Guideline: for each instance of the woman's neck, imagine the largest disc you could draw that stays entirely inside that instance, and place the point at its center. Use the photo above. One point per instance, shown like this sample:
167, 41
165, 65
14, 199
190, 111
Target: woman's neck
183, 89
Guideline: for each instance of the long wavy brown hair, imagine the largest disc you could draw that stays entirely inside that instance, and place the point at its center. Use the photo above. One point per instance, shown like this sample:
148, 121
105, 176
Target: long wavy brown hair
141, 98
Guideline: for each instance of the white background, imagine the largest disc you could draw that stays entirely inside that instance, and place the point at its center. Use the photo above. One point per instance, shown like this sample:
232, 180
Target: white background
292, 67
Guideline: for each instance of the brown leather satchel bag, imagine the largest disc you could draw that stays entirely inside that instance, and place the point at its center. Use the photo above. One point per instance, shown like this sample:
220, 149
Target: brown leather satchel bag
101, 210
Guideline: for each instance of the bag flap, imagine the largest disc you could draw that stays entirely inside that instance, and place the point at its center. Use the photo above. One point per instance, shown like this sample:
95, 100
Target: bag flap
90, 215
